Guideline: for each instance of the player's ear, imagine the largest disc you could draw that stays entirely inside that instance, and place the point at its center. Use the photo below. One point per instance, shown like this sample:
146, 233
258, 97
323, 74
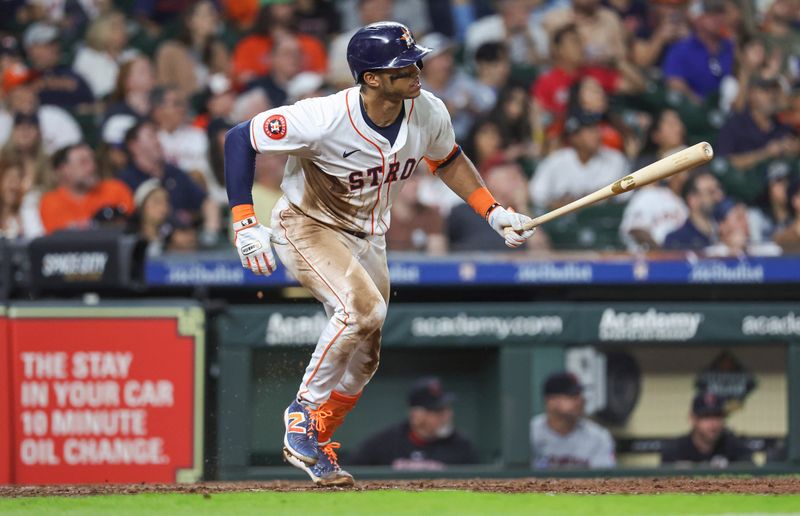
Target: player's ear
370, 79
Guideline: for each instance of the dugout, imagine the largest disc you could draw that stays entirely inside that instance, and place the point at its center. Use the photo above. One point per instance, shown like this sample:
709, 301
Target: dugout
495, 357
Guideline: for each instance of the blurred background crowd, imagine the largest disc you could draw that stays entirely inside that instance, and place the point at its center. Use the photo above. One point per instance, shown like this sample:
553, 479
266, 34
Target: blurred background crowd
114, 113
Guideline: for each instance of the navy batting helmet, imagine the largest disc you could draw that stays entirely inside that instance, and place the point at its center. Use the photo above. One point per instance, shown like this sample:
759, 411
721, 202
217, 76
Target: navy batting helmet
383, 45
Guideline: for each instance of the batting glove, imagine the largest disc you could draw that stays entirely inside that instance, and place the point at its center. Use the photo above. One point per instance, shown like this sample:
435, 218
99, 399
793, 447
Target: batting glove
502, 219
252, 241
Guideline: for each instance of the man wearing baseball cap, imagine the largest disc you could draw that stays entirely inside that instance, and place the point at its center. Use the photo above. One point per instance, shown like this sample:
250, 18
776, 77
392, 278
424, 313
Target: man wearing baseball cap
562, 437
427, 440
709, 441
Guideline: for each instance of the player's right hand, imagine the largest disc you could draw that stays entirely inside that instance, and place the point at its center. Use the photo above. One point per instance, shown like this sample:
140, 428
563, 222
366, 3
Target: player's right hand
509, 225
252, 241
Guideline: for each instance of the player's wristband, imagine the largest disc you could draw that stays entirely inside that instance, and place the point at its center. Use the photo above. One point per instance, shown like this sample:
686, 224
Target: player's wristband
244, 216
482, 201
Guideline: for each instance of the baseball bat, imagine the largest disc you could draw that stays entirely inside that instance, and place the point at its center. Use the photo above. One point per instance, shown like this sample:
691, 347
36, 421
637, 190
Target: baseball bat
683, 160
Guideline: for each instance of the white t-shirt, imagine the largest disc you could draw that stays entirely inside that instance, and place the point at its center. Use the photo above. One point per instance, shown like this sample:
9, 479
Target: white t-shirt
589, 445
342, 172
99, 69
655, 209
562, 173
187, 149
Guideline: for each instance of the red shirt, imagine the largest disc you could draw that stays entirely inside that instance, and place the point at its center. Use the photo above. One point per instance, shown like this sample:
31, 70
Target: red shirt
551, 89
60, 209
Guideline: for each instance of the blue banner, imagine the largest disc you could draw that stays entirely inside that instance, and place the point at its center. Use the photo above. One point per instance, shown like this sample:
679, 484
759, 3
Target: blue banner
221, 270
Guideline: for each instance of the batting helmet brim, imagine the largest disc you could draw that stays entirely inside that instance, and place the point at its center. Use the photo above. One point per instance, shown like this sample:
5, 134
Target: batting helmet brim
411, 56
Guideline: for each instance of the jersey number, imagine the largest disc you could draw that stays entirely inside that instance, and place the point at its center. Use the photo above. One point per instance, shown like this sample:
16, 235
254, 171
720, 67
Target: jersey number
359, 179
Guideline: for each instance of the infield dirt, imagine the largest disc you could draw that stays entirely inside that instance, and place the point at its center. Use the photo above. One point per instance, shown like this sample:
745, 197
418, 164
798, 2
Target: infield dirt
647, 485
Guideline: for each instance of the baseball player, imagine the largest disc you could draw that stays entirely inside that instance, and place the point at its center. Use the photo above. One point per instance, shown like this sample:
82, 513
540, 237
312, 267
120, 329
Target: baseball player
349, 155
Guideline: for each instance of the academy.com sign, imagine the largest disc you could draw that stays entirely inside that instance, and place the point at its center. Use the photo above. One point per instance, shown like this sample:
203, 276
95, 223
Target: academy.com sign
497, 327
650, 325
788, 324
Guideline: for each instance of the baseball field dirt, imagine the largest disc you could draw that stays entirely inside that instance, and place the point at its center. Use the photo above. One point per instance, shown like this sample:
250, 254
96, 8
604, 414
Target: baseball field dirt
593, 486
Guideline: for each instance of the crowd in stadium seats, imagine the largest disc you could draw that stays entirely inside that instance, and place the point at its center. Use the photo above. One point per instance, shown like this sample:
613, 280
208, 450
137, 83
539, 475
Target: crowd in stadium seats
115, 113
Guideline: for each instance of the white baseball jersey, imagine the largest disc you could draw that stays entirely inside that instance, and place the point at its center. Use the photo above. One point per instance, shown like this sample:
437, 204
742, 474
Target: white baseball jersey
340, 171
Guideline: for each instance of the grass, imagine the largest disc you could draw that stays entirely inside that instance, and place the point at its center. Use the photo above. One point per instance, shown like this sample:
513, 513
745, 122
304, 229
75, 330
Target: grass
460, 503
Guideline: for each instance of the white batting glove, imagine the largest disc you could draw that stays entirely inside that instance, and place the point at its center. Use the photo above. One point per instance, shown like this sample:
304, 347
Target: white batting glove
252, 241
501, 219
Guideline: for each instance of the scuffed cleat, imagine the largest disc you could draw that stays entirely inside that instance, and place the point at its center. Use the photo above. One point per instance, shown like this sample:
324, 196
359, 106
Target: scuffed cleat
326, 472
300, 439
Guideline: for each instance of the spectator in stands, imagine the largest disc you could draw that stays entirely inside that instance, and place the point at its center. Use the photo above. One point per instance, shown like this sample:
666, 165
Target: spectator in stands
701, 193
134, 84
733, 233
464, 97
464, 231
708, 442
80, 193
485, 143
582, 167
779, 30
305, 85
11, 192
369, 11
773, 212
25, 148
657, 210
427, 440
218, 101
151, 215
755, 135
56, 124
601, 33
286, 59
184, 146
562, 436
695, 66
513, 115
318, 18
276, 22
187, 61
415, 226
57, 84
789, 237
666, 23
551, 89
493, 69
508, 27
216, 146
105, 48
588, 96
189, 202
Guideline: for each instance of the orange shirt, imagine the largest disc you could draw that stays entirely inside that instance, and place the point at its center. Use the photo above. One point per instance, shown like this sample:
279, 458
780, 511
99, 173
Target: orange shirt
60, 209
251, 56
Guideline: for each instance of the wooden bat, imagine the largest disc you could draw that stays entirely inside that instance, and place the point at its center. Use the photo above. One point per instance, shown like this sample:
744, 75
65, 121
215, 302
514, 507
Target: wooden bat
683, 160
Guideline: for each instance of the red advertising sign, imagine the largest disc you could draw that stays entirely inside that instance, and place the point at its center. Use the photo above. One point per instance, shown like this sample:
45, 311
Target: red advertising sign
105, 398
5, 399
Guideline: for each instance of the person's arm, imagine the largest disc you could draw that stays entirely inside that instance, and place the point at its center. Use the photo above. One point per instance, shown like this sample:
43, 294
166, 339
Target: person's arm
252, 240
603, 454
461, 176
747, 160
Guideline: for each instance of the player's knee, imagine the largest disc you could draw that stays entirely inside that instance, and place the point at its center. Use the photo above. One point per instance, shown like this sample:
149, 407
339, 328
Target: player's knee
368, 317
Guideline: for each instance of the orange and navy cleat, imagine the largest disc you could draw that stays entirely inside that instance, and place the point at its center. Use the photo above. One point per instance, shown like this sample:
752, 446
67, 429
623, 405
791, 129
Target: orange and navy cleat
326, 472
300, 439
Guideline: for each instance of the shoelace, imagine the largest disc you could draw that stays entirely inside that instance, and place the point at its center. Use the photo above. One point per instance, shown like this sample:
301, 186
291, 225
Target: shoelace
318, 417
328, 450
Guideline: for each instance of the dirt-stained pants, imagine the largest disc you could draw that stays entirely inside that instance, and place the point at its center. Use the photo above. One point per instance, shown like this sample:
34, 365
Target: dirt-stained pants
350, 277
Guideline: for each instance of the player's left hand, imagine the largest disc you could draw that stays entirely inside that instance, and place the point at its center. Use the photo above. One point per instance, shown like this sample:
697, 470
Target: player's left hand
501, 219
252, 241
